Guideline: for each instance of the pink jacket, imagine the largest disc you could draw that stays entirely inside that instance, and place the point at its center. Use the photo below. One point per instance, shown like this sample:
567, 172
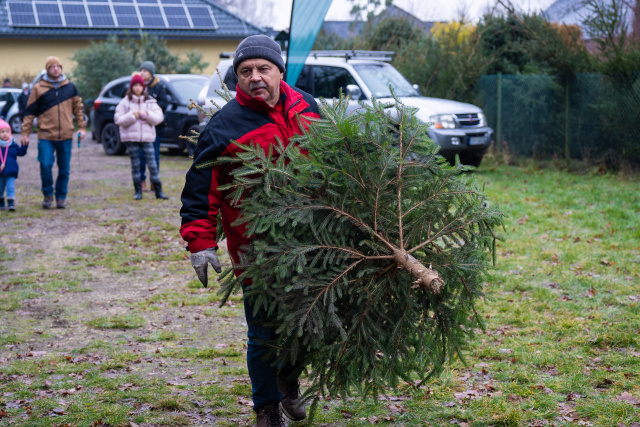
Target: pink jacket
138, 130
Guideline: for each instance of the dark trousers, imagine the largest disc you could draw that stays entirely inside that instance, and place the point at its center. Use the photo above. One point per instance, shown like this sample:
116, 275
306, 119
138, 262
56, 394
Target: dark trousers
136, 165
156, 147
48, 152
262, 370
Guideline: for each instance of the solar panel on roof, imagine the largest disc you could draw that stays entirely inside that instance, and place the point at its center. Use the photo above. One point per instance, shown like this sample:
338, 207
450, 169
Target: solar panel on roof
111, 14
21, 14
75, 15
176, 17
201, 17
48, 14
126, 16
151, 16
101, 15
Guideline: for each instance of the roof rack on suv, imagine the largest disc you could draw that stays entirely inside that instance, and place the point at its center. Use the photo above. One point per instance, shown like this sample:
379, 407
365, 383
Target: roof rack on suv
346, 54
354, 54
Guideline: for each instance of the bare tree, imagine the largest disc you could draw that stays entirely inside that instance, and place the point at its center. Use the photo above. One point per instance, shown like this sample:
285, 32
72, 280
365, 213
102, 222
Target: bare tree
257, 12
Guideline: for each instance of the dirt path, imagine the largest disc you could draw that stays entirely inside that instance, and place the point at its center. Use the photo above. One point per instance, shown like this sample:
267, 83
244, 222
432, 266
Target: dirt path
106, 256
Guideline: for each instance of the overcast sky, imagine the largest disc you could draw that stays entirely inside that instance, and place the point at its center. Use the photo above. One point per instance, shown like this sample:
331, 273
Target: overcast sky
427, 10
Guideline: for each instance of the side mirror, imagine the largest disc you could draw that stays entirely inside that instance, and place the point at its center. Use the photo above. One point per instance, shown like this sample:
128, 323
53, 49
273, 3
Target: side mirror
354, 92
417, 88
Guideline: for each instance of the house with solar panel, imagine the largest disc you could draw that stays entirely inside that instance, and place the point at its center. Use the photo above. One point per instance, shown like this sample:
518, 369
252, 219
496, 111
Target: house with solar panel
31, 30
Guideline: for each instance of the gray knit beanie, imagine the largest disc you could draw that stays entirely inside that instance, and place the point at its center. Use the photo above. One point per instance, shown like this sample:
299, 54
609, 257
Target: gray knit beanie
259, 46
149, 66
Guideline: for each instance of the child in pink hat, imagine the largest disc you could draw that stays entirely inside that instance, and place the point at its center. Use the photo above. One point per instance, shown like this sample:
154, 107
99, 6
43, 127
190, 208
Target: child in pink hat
9, 152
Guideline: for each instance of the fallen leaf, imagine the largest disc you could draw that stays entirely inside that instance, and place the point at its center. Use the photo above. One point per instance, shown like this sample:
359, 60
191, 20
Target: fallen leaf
245, 402
605, 383
627, 397
571, 397
514, 398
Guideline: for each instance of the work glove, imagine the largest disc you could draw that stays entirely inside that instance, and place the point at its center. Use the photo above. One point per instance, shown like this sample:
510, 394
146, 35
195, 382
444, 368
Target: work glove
199, 261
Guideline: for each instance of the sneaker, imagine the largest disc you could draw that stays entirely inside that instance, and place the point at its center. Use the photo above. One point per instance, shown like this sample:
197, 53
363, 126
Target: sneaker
293, 407
11, 204
61, 203
269, 416
47, 202
2, 206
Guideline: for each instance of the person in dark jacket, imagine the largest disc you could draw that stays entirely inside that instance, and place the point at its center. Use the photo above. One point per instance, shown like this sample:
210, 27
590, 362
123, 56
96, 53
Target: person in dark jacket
9, 152
157, 90
265, 108
22, 100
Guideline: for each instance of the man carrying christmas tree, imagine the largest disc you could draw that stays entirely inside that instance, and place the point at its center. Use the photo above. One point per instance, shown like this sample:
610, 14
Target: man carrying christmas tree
265, 109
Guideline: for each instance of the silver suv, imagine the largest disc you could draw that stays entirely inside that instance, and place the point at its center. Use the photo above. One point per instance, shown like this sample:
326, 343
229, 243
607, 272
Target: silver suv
458, 128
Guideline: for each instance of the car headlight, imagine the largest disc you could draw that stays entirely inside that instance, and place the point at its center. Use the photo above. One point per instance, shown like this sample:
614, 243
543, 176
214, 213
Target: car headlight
443, 121
483, 120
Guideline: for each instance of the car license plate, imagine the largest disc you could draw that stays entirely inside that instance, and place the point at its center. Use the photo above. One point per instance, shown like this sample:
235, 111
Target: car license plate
477, 140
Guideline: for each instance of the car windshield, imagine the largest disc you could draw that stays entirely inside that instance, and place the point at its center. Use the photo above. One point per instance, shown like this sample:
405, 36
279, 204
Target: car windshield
189, 87
378, 77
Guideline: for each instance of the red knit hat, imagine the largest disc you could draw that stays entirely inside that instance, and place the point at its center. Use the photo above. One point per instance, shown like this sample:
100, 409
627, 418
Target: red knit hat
137, 79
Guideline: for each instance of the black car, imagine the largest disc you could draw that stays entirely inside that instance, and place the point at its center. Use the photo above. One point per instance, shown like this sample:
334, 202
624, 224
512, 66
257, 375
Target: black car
179, 119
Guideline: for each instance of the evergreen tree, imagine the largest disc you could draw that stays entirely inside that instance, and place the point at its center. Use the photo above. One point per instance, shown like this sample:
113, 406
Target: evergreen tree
369, 249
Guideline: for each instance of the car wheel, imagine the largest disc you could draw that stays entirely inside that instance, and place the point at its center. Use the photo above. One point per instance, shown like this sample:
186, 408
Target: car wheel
16, 124
191, 148
471, 160
110, 136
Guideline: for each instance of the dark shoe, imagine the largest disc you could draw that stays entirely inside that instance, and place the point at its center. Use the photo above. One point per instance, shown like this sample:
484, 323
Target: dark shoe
144, 185
138, 187
2, 206
47, 202
292, 405
61, 203
157, 187
269, 416
11, 204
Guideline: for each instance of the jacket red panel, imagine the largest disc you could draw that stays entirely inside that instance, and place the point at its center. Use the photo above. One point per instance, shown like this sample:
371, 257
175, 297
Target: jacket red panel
244, 120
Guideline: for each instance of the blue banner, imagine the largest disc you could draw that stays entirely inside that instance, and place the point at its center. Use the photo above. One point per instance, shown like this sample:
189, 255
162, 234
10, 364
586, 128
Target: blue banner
307, 17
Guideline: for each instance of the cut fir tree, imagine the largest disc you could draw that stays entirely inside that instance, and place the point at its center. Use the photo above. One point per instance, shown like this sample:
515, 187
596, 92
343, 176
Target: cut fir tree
369, 248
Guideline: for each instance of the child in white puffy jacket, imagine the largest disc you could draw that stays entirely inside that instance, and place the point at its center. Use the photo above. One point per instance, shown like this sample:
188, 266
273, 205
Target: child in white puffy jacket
137, 115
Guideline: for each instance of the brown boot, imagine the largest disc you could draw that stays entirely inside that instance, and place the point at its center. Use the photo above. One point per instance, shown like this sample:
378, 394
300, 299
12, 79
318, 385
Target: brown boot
269, 416
293, 407
47, 202
143, 185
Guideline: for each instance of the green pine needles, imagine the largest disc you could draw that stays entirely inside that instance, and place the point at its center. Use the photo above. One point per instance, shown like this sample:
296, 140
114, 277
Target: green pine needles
369, 251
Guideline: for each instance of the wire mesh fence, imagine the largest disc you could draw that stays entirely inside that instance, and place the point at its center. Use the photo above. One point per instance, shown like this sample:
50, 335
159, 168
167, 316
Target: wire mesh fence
592, 116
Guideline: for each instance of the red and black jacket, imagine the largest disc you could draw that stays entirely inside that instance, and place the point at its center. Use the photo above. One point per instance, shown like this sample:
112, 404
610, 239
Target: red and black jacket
244, 120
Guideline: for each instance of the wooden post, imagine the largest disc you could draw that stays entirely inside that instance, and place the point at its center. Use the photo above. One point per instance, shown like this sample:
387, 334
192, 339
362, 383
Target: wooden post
499, 111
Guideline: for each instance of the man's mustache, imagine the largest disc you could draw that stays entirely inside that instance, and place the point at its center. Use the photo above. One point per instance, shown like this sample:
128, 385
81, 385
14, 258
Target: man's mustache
257, 85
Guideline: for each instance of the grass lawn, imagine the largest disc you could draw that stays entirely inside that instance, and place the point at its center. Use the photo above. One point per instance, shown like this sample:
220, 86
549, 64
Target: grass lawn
103, 323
